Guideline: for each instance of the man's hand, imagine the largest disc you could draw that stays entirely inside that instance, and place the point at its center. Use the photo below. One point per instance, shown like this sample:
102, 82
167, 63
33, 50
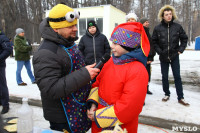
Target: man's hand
149, 62
92, 71
90, 112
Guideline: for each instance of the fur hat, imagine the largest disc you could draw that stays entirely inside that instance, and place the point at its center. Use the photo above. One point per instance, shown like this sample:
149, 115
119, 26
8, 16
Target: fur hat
131, 15
143, 20
91, 23
62, 16
160, 14
19, 30
131, 35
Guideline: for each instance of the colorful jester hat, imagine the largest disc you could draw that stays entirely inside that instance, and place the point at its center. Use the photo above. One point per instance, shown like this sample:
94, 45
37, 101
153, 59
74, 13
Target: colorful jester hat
132, 35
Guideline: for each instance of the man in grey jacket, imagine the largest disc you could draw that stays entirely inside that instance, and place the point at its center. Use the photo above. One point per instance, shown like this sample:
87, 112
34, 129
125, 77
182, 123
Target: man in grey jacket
60, 73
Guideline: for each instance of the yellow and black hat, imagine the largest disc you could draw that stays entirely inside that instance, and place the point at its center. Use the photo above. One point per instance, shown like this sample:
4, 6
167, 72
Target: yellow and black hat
62, 16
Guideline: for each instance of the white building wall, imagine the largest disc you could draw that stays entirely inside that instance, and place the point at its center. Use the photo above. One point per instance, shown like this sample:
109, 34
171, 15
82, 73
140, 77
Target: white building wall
110, 15
90, 12
116, 16
106, 21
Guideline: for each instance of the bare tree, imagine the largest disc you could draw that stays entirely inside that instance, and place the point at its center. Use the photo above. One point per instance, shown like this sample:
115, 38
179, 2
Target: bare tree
141, 8
28, 14
189, 17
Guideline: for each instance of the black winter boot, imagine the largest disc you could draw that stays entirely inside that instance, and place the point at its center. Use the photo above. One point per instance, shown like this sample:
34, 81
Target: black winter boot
5, 109
149, 92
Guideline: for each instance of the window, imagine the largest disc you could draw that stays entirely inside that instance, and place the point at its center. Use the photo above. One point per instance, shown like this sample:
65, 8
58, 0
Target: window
82, 25
88, 19
100, 24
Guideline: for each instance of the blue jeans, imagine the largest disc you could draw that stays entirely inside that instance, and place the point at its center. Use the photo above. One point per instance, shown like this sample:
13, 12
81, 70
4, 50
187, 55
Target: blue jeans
4, 95
175, 65
20, 65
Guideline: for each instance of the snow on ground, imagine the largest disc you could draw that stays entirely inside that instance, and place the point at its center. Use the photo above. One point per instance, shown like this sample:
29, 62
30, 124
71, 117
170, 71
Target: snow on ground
171, 110
41, 124
192, 45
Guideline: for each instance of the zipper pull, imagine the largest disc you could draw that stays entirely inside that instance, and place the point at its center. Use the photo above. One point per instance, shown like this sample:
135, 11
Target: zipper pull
169, 59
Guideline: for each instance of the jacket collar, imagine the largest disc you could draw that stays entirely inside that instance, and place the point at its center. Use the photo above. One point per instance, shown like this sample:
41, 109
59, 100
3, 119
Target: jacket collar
166, 24
135, 55
21, 37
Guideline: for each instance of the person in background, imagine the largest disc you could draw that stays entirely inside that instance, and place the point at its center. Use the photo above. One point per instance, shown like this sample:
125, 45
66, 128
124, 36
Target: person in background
131, 17
93, 45
145, 23
166, 37
61, 73
119, 92
22, 56
5, 51
12, 54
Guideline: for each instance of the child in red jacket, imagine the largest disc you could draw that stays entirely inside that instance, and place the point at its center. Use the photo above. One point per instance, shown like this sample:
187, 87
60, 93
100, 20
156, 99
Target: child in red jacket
119, 92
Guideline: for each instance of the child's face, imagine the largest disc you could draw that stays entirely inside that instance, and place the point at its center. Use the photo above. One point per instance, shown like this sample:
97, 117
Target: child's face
117, 50
131, 20
92, 30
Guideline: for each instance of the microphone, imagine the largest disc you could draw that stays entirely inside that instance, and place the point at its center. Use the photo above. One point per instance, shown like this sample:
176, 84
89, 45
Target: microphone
103, 60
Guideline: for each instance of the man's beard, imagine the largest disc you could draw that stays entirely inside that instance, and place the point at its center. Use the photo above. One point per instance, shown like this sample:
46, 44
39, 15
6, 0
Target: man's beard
69, 39
72, 38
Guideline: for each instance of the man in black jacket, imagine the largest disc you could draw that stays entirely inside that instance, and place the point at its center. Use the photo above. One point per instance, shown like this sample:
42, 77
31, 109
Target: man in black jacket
166, 37
152, 53
5, 51
60, 73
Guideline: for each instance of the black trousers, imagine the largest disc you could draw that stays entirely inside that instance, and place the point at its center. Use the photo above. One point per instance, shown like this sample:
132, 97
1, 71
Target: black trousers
148, 67
175, 65
59, 126
4, 95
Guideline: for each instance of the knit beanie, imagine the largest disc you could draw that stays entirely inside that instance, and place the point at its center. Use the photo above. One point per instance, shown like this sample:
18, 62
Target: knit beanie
143, 20
91, 23
62, 16
131, 35
131, 15
19, 30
